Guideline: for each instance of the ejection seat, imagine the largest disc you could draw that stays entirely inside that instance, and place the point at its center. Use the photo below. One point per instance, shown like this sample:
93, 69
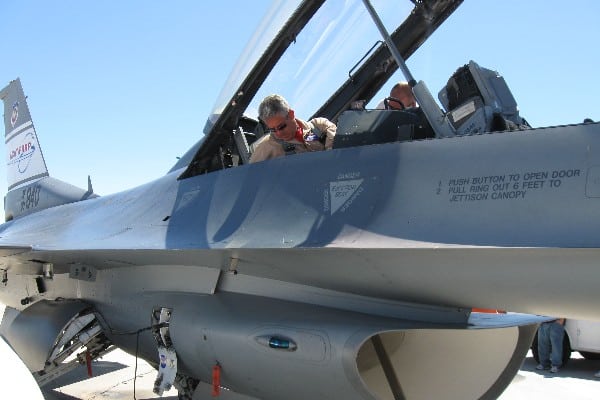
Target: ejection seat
478, 100
244, 136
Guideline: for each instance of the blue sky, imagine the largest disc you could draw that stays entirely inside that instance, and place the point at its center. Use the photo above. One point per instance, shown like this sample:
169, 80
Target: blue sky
118, 90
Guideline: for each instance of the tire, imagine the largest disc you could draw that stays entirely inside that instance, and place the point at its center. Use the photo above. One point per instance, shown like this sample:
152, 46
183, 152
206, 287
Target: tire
589, 355
534, 349
566, 350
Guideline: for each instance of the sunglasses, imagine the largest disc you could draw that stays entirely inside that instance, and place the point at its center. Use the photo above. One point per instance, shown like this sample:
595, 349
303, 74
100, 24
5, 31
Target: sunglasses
279, 127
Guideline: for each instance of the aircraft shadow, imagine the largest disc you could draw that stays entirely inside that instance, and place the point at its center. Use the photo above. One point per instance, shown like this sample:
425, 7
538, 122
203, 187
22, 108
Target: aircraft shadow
79, 374
53, 395
99, 368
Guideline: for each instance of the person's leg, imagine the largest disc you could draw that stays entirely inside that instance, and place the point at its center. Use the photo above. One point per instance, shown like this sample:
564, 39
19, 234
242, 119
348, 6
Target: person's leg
557, 332
544, 346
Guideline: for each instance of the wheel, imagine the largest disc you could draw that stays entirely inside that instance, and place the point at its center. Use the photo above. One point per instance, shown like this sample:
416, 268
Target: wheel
534, 349
589, 355
566, 350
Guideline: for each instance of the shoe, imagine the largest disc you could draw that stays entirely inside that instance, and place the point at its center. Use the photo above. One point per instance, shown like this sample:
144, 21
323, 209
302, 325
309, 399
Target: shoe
540, 367
554, 369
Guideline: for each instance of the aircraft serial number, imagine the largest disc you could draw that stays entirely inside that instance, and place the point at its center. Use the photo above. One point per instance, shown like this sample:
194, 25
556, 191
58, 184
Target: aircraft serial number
30, 197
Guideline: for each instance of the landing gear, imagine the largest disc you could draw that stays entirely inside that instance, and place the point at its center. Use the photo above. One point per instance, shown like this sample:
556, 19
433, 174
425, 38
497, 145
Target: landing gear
185, 386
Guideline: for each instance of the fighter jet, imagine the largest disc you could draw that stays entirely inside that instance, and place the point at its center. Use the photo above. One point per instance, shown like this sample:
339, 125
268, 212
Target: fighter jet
349, 273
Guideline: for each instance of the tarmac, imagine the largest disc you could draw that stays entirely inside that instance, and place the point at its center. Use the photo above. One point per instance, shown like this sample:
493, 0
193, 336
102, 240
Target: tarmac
115, 380
115, 377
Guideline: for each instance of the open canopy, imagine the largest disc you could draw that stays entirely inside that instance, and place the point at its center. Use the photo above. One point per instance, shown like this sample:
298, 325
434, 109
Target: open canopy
321, 56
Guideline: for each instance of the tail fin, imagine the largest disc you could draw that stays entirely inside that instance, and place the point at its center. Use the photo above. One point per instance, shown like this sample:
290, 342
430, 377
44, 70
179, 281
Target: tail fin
30, 188
24, 158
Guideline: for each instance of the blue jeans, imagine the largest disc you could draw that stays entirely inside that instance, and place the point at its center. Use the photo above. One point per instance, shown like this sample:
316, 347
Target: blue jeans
550, 343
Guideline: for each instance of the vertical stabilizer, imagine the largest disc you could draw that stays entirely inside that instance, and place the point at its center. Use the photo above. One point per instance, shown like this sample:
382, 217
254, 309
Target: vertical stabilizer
30, 188
24, 159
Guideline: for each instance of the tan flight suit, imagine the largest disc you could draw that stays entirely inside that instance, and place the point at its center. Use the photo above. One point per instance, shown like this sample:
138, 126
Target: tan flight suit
270, 147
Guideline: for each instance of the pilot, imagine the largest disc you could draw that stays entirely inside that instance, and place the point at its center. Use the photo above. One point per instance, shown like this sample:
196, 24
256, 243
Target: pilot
402, 92
288, 134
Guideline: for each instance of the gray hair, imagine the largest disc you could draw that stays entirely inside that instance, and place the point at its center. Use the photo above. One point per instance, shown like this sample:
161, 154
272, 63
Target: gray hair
273, 105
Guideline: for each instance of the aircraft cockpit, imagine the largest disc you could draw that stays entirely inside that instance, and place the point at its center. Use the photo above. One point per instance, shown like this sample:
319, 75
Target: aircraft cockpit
475, 99
310, 49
